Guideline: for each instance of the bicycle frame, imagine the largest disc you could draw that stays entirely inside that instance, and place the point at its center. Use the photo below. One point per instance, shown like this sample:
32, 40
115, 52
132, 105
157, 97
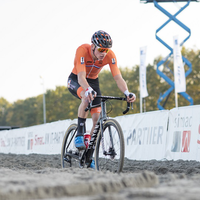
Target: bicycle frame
98, 127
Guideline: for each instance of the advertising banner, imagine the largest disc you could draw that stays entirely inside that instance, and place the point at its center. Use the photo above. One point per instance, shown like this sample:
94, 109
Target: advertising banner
42, 139
158, 135
179, 71
13, 141
183, 140
143, 85
145, 135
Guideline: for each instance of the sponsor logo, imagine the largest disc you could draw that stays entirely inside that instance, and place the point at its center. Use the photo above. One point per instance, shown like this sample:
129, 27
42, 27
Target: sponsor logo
39, 140
48, 138
13, 142
113, 60
54, 137
182, 121
176, 144
181, 141
82, 60
198, 141
146, 136
82, 124
89, 61
30, 144
68, 83
186, 141
3, 143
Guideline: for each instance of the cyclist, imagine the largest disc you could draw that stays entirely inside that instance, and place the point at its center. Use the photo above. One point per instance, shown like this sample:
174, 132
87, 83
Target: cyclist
83, 81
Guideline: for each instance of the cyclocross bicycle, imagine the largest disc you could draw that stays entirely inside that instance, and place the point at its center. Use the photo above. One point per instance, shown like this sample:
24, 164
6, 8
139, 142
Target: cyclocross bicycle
107, 141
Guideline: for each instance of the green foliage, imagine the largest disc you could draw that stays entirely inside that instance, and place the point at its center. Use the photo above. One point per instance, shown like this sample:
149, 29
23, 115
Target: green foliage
61, 104
4, 106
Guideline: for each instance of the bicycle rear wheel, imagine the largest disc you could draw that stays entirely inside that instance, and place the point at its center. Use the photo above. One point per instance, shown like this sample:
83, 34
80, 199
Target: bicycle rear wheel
109, 152
68, 148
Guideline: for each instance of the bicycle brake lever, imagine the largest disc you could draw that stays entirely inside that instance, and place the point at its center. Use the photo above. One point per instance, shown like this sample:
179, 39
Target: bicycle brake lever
89, 106
130, 95
129, 105
127, 109
86, 109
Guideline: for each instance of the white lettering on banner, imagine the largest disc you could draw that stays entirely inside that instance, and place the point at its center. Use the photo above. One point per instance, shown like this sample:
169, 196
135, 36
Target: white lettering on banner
146, 136
182, 121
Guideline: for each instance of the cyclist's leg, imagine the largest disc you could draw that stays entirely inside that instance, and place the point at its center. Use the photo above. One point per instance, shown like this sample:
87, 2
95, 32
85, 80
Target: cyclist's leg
78, 92
95, 112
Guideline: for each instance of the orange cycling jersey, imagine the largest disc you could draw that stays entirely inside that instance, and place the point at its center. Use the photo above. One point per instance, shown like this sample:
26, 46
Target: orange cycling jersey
83, 62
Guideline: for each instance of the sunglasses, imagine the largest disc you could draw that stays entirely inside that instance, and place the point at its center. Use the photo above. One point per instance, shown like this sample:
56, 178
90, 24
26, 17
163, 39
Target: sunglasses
102, 50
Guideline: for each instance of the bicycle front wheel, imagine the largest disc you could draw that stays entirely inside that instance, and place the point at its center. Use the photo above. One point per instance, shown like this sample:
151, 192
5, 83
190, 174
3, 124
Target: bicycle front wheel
109, 152
69, 151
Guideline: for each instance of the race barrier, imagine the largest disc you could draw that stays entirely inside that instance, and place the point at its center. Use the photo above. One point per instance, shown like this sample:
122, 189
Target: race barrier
167, 134
40, 139
183, 138
145, 134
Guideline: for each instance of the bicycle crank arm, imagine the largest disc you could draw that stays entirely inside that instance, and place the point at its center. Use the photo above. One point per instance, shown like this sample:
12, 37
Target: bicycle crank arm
72, 155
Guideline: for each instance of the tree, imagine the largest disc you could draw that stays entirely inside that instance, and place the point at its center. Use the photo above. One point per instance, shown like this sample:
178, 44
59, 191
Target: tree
61, 104
4, 106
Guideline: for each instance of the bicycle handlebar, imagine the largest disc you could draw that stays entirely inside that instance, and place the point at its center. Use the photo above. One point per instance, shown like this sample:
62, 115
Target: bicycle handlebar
104, 98
128, 105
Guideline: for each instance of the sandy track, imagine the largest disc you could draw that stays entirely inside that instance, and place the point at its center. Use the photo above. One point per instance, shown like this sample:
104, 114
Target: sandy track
41, 177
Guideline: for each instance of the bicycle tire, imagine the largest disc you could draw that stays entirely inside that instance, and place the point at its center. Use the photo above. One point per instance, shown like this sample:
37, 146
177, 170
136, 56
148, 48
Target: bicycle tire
113, 163
67, 146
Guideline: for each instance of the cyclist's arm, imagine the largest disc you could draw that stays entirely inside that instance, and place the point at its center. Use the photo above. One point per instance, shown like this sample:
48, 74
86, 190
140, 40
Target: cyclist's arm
121, 83
86, 87
82, 80
123, 87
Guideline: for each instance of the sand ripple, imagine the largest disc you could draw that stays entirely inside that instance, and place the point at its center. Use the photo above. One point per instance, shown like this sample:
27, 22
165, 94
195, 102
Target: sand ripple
41, 177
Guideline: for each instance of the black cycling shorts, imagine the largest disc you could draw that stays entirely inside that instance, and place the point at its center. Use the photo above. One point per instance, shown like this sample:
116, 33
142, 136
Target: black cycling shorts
74, 87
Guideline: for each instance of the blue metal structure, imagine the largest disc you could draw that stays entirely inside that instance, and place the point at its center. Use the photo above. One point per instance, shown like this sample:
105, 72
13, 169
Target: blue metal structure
159, 72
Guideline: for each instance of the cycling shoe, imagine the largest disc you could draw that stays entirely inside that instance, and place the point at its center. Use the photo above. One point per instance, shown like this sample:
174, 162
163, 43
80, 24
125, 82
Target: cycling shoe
79, 142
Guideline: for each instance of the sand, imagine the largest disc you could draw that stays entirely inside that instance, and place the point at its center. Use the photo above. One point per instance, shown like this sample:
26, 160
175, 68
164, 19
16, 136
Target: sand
38, 176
